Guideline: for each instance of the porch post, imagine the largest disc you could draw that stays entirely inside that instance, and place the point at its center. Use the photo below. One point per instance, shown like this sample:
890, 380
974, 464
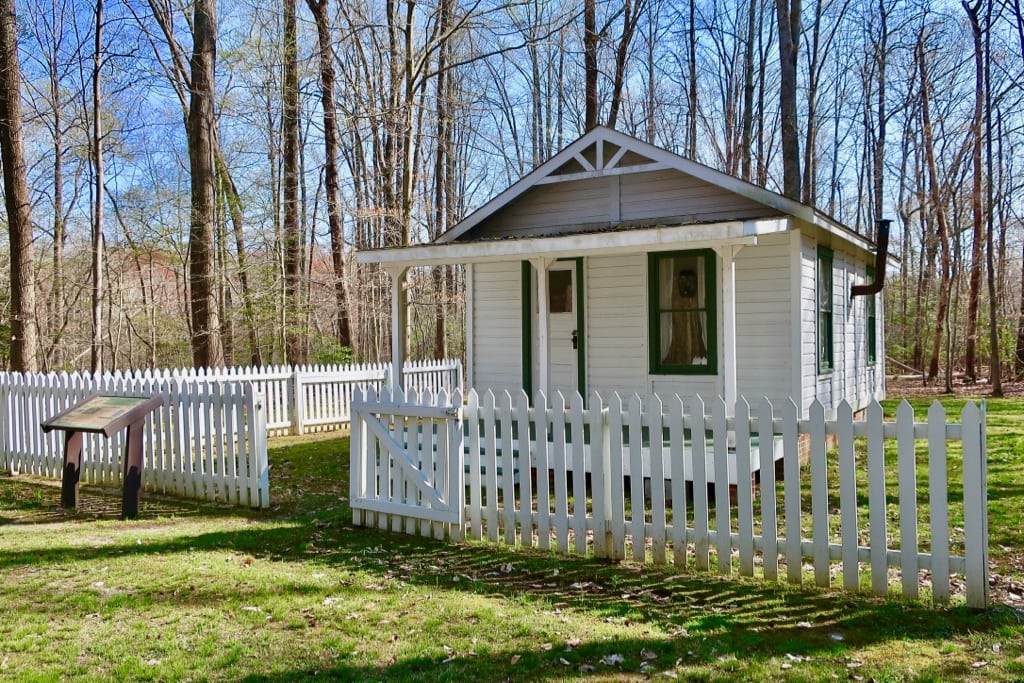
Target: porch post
728, 253
399, 309
540, 266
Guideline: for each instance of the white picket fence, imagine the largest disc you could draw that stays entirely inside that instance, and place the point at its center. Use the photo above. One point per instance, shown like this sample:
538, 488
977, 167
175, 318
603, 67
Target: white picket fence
207, 441
301, 398
496, 467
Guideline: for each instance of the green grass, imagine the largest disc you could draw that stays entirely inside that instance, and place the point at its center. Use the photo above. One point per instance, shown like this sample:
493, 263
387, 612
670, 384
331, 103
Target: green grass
194, 592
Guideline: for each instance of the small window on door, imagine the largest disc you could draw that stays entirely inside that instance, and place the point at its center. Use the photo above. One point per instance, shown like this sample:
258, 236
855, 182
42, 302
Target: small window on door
560, 291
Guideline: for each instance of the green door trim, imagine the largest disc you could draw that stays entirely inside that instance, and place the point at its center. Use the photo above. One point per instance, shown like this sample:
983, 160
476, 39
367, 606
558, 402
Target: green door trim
527, 327
581, 343
526, 290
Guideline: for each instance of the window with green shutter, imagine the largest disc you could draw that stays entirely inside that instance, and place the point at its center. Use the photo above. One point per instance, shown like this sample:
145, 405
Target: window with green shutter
681, 300
826, 358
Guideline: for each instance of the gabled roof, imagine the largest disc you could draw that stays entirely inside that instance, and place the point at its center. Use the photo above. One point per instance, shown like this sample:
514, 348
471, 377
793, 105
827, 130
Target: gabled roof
605, 152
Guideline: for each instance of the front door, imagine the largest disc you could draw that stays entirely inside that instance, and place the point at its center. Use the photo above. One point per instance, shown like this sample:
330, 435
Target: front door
565, 338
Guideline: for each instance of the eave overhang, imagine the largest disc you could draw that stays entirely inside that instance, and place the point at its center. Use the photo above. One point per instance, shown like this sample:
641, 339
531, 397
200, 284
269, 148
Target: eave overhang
633, 240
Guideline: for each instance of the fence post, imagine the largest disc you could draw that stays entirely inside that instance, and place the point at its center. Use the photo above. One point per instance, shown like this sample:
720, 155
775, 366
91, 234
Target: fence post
261, 466
975, 505
357, 454
456, 469
298, 411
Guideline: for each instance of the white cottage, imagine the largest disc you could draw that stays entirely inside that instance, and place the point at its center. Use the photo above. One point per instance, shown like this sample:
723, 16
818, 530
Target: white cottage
620, 266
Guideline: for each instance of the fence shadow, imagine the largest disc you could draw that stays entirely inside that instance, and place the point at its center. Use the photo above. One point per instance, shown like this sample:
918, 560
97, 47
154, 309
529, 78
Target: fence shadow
30, 501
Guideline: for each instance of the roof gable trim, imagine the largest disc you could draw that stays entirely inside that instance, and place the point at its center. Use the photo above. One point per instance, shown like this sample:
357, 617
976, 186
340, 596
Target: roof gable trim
649, 158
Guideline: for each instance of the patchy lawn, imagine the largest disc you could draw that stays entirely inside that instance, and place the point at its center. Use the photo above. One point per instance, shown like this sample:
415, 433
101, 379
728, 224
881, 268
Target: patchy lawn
198, 592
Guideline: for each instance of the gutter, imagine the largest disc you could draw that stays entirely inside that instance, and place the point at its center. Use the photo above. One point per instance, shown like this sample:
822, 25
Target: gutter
881, 254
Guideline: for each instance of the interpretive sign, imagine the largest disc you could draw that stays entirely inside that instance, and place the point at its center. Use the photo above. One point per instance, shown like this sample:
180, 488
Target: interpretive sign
104, 415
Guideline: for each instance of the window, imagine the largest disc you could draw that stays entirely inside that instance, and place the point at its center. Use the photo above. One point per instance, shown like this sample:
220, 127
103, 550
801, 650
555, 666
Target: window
560, 291
872, 334
681, 300
825, 331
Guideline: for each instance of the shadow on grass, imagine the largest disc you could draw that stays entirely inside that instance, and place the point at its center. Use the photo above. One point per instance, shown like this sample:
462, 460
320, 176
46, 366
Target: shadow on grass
732, 618
727, 661
31, 502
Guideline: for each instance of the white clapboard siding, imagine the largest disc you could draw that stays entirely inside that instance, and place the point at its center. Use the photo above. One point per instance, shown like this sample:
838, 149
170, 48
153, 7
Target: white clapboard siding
207, 440
521, 470
497, 315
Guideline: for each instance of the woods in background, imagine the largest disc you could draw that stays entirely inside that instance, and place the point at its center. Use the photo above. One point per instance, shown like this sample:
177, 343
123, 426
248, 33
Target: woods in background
242, 150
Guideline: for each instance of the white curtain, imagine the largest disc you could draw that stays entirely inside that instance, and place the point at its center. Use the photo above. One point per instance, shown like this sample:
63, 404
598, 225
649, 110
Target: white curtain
666, 285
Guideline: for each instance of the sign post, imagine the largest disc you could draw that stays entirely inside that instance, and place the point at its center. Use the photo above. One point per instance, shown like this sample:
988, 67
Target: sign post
104, 415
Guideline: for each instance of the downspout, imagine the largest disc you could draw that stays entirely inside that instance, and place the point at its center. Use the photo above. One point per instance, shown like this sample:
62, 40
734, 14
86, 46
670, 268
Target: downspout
881, 254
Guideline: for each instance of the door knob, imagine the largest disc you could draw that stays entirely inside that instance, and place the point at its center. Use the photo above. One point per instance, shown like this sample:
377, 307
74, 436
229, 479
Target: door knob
575, 340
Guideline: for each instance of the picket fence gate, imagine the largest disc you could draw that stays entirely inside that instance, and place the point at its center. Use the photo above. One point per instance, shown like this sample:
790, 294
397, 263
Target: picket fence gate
207, 441
512, 468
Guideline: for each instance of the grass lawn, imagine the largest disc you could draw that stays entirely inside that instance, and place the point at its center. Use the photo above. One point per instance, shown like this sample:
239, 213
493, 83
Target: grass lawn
197, 592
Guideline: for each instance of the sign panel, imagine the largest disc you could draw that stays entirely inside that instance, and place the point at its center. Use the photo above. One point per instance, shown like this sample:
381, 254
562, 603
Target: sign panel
101, 414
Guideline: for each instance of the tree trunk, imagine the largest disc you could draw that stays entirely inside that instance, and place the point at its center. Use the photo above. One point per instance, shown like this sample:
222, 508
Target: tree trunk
444, 165
590, 38
630, 18
691, 108
789, 43
995, 365
96, 355
748, 94
977, 234
940, 214
292, 234
1018, 361
24, 332
810, 167
206, 345
58, 312
234, 207
333, 186
878, 156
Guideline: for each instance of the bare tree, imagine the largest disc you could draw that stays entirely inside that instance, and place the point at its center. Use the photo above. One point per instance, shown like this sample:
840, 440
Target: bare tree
292, 233
939, 209
978, 234
96, 348
747, 122
631, 15
995, 365
789, 44
590, 44
24, 331
206, 344
334, 215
